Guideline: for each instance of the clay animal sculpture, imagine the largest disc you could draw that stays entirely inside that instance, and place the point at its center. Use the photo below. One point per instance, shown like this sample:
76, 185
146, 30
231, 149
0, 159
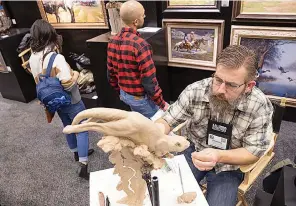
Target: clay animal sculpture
130, 125
135, 143
187, 197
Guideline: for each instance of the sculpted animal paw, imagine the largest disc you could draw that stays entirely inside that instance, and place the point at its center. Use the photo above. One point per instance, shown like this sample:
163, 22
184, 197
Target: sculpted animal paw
169, 155
109, 143
142, 151
156, 162
127, 143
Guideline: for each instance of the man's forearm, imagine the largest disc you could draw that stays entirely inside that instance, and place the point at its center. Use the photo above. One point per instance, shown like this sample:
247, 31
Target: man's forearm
239, 156
153, 90
112, 79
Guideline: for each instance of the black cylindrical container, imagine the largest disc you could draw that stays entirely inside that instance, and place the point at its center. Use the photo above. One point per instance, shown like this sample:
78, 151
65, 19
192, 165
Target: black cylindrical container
155, 191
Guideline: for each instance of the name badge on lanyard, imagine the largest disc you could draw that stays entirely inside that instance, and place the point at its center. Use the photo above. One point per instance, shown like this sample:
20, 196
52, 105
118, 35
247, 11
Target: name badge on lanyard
219, 135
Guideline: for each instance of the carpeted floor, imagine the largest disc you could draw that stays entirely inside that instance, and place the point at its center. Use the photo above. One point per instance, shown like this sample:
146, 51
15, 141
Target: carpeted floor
37, 169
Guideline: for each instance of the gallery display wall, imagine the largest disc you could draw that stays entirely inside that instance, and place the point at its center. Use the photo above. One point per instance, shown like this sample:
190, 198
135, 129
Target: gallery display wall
266, 27
26, 12
212, 24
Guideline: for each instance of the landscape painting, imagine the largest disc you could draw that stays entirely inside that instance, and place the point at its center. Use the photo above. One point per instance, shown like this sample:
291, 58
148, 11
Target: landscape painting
194, 45
269, 7
191, 2
276, 64
275, 11
74, 13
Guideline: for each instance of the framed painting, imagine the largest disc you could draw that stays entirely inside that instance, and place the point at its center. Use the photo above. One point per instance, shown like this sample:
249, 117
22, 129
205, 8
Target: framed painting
276, 48
192, 5
78, 14
194, 43
276, 11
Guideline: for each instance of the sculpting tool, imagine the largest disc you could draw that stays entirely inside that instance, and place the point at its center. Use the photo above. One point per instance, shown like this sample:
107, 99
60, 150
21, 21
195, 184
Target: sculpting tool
107, 201
180, 175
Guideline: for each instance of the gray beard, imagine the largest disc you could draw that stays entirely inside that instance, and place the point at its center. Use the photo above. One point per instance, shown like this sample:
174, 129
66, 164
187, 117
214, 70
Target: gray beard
223, 107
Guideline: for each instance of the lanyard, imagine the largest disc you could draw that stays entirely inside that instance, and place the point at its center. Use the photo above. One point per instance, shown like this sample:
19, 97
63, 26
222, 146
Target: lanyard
236, 111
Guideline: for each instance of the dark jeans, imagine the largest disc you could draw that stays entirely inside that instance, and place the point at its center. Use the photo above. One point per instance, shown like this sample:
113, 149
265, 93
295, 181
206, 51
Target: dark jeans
77, 142
222, 187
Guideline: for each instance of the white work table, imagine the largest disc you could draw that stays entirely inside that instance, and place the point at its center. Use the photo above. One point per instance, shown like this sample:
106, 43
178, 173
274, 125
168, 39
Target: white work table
169, 185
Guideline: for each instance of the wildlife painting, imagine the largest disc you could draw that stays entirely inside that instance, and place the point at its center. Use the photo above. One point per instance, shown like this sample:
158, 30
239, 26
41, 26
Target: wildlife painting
193, 46
194, 43
74, 13
276, 65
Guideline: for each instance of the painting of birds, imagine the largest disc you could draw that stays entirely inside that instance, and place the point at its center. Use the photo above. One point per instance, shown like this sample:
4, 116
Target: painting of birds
282, 70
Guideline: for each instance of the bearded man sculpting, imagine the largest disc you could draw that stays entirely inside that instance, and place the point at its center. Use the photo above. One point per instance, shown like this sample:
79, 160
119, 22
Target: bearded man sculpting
228, 121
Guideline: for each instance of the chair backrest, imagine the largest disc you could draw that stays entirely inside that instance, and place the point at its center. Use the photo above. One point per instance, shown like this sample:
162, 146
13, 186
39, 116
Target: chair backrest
279, 110
25, 56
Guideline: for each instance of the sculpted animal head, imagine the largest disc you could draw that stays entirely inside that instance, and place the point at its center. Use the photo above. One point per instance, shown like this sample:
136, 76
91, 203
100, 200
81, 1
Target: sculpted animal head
130, 125
177, 143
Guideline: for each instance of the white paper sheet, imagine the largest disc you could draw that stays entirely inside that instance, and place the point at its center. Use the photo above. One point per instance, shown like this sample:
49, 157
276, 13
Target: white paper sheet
169, 185
149, 29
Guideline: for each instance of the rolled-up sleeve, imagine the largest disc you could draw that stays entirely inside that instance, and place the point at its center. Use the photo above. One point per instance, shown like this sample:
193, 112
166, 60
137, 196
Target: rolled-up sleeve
180, 111
259, 133
148, 76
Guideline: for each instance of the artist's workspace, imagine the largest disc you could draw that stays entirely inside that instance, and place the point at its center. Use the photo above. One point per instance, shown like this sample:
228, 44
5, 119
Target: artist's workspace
172, 183
147, 103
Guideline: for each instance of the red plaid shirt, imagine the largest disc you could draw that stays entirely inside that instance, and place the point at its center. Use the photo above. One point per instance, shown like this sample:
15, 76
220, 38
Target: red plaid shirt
131, 68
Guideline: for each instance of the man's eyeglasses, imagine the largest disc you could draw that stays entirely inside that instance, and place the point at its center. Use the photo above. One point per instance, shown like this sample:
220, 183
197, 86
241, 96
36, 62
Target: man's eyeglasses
228, 85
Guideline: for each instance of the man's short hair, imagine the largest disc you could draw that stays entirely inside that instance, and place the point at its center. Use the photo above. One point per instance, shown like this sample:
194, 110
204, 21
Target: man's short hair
236, 56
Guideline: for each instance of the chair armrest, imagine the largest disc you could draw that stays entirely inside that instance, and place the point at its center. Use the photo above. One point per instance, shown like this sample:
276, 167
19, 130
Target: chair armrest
253, 171
24, 52
249, 167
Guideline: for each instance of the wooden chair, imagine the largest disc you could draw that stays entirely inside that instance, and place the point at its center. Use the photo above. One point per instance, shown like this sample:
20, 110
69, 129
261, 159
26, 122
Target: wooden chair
252, 171
25, 55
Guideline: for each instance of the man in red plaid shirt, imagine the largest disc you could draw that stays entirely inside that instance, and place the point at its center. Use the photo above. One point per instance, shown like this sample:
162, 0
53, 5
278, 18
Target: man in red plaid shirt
131, 70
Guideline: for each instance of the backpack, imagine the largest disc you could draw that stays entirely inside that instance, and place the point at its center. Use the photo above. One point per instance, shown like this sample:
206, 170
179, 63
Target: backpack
49, 90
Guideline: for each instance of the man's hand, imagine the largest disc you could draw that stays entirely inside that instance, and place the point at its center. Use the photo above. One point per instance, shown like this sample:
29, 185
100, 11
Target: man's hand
166, 106
206, 159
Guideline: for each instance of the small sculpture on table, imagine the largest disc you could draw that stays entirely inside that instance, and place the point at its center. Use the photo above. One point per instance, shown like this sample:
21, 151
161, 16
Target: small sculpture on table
137, 145
113, 8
